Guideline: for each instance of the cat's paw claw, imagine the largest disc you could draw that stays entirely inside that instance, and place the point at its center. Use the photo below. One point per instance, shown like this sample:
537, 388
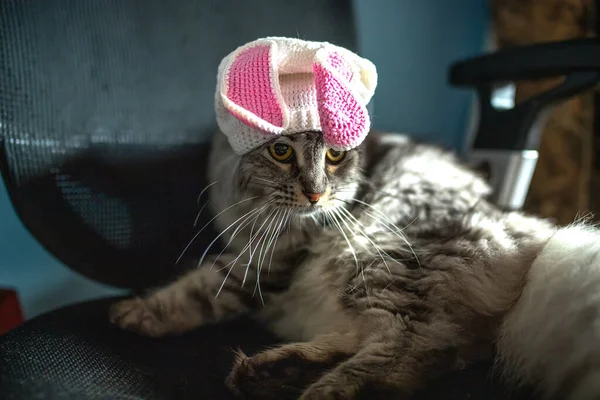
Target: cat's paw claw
240, 371
254, 378
136, 315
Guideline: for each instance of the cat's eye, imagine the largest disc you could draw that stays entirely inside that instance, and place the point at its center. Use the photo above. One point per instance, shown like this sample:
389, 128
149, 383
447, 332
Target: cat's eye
281, 152
334, 156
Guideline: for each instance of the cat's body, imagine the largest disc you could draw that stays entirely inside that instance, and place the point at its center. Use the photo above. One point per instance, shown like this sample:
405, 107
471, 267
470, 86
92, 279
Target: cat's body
410, 274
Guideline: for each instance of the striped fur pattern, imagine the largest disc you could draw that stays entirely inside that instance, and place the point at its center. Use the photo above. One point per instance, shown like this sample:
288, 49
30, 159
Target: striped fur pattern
402, 270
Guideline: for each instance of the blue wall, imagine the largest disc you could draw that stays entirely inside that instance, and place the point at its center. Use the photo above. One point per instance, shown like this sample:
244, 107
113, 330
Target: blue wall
43, 282
412, 43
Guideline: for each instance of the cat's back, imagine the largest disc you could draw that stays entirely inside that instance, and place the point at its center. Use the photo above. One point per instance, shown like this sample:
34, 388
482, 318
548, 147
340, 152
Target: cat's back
416, 186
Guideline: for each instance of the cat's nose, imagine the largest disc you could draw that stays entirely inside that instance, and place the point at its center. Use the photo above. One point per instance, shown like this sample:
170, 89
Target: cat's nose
313, 198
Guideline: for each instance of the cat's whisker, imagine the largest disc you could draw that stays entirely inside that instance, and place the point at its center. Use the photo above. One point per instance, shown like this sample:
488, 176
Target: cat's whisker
234, 261
272, 239
260, 243
354, 287
252, 230
274, 235
397, 230
221, 234
262, 185
247, 220
410, 223
339, 227
256, 215
372, 188
231, 265
236, 167
242, 252
205, 203
260, 295
391, 228
245, 248
204, 190
399, 235
289, 223
375, 191
365, 235
268, 238
362, 271
199, 213
252, 238
208, 223
362, 231
265, 180
248, 246
314, 218
279, 229
348, 202
323, 219
389, 284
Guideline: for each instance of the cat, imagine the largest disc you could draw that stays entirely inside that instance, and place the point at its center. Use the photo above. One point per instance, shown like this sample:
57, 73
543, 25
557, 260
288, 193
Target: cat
383, 266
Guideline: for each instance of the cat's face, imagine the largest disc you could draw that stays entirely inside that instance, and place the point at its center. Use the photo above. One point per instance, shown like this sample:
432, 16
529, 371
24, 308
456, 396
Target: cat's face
300, 173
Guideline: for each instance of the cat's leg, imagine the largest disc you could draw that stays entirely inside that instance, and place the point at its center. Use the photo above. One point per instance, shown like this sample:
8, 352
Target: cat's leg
285, 371
188, 302
393, 363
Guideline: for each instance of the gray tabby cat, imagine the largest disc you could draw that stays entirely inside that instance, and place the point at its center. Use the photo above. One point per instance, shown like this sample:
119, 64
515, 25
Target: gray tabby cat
385, 266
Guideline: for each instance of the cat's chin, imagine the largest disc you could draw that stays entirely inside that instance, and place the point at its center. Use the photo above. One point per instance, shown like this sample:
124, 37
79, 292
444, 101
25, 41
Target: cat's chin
308, 212
312, 211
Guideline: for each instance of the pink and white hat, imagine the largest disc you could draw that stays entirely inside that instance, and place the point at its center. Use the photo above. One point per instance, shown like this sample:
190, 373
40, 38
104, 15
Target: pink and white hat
276, 85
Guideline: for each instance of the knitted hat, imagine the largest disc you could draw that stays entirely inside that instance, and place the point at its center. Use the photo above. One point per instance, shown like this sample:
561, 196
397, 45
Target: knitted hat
278, 85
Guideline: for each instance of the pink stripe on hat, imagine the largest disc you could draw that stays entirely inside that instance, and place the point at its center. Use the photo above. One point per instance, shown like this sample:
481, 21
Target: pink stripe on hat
276, 86
249, 85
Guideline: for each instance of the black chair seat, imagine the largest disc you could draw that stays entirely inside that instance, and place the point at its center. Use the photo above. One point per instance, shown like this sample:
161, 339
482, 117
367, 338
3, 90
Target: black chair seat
74, 353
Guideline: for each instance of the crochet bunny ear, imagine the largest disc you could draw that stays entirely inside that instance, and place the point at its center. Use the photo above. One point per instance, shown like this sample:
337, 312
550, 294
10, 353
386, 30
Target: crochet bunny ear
342, 99
250, 92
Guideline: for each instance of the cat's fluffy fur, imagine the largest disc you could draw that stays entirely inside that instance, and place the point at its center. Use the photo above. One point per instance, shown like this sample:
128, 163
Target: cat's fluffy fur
409, 274
552, 335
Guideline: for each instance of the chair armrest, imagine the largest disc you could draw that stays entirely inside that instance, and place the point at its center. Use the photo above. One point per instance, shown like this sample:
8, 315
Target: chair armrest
507, 135
510, 129
544, 60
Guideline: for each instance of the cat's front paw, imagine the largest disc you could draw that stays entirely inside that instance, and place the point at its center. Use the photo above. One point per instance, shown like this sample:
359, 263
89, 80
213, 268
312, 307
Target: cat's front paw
265, 377
137, 315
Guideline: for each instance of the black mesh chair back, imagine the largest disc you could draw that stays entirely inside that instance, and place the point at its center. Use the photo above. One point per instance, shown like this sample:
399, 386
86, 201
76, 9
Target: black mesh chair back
106, 110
